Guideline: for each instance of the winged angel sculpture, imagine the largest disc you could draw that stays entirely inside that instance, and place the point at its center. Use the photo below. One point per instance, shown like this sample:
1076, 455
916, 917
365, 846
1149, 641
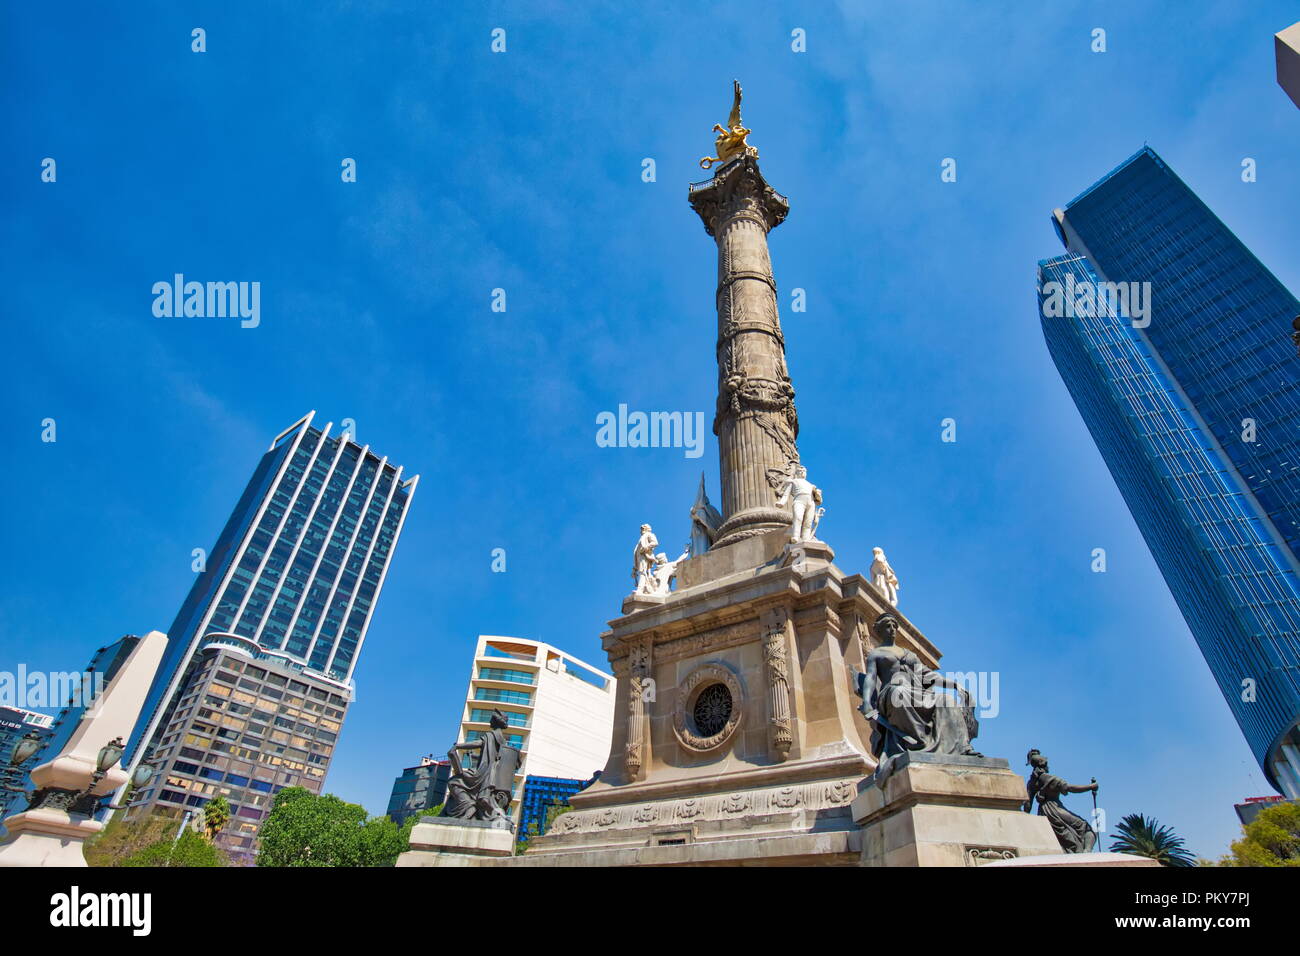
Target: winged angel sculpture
731, 140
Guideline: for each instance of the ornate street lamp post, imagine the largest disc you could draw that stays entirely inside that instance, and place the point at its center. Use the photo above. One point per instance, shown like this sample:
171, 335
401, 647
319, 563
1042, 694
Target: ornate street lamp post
75, 801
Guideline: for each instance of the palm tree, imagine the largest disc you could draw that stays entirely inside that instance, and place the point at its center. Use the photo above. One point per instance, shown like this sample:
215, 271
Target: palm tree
216, 813
1141, 836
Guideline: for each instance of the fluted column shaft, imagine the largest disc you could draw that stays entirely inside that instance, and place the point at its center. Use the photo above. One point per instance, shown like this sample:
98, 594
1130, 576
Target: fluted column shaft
756, 422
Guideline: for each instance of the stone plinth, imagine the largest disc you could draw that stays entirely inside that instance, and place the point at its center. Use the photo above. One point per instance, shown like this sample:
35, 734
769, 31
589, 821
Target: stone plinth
940, 810
61, 816
1078, 859
446, 841
636, 602
47, 837
769, 633
749, 554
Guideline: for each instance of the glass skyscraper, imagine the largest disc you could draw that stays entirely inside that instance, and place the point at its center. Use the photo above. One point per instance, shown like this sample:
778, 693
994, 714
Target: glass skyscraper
15, 724
289, 589
540, 795
1175, 343
419, 789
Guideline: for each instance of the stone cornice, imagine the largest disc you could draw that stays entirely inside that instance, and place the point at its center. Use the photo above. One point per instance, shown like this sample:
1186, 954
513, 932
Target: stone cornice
825, 595
738, 189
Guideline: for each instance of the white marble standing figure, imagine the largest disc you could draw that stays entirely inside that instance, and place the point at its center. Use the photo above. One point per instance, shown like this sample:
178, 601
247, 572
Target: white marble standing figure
643, 559
883, 576
805, 497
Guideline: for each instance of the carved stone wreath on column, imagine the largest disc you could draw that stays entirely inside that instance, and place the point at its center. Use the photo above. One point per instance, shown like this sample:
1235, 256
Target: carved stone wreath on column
709, 707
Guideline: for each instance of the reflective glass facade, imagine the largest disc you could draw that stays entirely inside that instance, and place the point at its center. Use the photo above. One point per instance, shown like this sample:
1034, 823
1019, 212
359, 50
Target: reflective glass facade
1196, 410
15, 724
295, 574
419, 789
542, 793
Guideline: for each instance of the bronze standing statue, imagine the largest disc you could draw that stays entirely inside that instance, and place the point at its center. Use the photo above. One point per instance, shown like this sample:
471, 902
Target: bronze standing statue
901, 697
482, 792
1072, 831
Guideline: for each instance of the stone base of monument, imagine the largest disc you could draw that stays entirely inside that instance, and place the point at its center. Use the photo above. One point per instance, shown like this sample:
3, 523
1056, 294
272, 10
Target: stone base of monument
446, 841
940, 810
1080, 859
46, 837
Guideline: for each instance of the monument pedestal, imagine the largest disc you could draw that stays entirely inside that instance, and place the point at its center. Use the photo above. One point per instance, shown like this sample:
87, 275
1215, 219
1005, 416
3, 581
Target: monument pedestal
53, 830
446, 841
939, 810
47, 837
737, 739
1079, 859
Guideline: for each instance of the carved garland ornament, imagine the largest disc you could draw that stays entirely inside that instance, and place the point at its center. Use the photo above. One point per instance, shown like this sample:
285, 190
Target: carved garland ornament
638, 674
710, 695
777, 665
980, 855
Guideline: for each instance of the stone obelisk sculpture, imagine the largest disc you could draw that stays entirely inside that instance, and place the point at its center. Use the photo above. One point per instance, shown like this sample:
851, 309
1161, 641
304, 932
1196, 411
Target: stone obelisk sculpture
61, 817
735, 737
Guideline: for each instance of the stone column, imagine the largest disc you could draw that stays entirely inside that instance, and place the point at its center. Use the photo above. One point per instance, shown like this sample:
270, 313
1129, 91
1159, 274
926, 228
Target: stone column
755, 422
776, 661
638, 666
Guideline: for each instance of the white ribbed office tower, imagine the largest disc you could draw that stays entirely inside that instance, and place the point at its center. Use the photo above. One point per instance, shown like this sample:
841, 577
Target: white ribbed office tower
561, 710
258, 672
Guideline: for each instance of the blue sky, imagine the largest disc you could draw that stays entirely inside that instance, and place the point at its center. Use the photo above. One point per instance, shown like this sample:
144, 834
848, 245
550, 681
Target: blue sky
522, 171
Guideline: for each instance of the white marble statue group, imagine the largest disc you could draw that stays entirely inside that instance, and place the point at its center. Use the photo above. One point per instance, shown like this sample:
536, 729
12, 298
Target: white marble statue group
651, 570
654, 573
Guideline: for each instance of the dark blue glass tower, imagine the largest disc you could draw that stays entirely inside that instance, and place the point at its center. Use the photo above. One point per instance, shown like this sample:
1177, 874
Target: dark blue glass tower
542, 793
419, 789
1195, 405
295, 574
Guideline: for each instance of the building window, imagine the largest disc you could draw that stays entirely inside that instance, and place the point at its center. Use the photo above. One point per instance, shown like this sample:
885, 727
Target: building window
514, 718
503, 696
505, 674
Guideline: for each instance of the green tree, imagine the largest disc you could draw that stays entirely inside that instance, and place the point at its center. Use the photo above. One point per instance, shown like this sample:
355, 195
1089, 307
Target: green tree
552, 811
1271, 839
190, 849
121, 839
304, 829
1140, 836
525, 838
384, 840
216, 814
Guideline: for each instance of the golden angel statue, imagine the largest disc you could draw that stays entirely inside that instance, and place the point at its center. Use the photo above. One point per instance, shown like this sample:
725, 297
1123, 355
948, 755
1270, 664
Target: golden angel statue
731, 141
